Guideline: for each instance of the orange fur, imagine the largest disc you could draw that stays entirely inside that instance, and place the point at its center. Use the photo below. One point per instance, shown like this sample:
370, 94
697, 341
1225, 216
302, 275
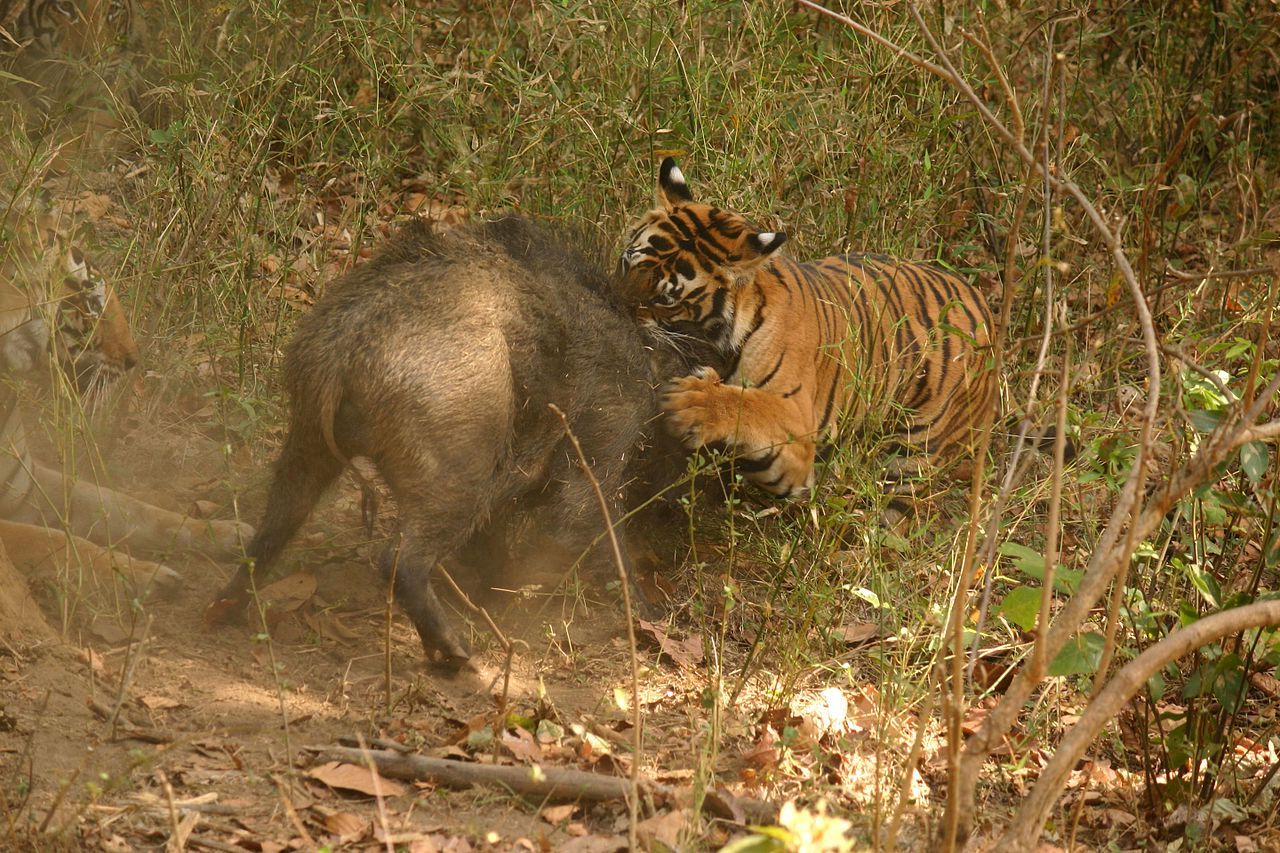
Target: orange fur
844, 342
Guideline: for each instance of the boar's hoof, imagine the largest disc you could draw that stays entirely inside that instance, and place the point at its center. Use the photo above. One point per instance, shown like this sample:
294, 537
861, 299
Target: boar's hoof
446, 652
227, 607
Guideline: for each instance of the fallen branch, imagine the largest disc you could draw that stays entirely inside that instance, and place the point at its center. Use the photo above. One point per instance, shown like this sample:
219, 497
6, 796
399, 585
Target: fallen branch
1024, 830
538, 783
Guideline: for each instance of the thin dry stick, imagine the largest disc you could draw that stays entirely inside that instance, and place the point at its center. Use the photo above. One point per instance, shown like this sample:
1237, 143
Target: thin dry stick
961, 792
282, 788
62, 793
1052, 70
1177, 352
1107, 558
1185, 275
537, 782
175, 840
508, 645
1008, 279
387, 614
377, 795
1263, 333
633, 800
133, 653
261, 607
1039, 660
1024, 829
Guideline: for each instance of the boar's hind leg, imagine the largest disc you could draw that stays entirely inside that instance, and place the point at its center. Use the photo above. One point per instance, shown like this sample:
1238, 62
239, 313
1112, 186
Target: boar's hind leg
305, 469
408, 562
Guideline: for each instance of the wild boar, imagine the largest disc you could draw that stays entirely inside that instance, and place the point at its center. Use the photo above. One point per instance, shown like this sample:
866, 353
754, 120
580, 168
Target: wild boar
437, 360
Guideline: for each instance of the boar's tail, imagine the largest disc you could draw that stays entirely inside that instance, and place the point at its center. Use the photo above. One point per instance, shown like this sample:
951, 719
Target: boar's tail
329, 399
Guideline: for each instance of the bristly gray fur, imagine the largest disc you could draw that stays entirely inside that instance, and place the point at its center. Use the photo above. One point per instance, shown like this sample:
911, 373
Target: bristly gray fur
437, 361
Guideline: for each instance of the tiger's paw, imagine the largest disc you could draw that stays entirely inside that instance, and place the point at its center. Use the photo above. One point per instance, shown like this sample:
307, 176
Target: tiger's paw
696, 407
227, 538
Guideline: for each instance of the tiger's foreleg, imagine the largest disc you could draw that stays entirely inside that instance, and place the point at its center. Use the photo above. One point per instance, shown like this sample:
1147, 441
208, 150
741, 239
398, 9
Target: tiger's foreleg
45, 554
112, 519
774, 441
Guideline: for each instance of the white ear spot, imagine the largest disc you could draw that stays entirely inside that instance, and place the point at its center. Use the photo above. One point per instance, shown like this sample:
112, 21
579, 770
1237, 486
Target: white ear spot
676, 176
766, 238
75, 264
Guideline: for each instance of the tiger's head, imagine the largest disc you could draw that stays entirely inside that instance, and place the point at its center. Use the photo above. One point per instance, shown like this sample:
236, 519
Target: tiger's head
685, 260
93, 341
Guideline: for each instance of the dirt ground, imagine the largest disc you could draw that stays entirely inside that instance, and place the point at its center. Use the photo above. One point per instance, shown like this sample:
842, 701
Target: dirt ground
145, 728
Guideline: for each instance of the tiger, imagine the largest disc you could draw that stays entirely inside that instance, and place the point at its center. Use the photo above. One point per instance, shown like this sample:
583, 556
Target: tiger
808, 349
76, 327
78, 28
70, 76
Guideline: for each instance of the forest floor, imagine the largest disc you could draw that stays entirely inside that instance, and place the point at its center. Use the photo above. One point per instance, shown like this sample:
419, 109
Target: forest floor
147, 728
789, 698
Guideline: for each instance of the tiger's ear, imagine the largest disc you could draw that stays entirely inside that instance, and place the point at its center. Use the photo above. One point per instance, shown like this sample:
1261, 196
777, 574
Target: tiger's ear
77, 266
765, 243
672, 190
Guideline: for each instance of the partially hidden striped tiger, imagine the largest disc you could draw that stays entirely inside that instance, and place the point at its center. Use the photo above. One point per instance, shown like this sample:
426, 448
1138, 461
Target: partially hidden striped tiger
70, 75
57, 314
78, 28
848, 342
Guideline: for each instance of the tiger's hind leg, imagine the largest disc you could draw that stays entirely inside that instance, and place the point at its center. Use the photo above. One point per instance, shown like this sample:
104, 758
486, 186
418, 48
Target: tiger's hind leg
114, 519
45, 554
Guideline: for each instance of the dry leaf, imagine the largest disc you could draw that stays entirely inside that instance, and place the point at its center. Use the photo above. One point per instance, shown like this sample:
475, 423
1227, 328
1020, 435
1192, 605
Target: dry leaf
722, 803
93, 660
855, 633
159, 703
352, 777
347, 826
826, 713
288, 594
662, 829
328, 624
594, 844
1118, 817
521, 745
93, 205
686, 653
558, 814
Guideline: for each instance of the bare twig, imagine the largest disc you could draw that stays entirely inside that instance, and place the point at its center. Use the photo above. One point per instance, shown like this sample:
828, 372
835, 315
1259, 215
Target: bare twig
377, 795
508, 646
633, 802
176, 842
1024, 829
387, 618
130, 730
1187, 275
1175, 351
1039, 660
1131, 517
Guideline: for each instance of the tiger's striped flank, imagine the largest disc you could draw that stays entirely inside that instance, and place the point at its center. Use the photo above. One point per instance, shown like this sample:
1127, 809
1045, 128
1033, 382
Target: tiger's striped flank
847, 342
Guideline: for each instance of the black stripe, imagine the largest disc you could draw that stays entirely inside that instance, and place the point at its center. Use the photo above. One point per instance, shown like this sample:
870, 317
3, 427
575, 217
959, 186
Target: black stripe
765, 381
831, 401
756, 465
